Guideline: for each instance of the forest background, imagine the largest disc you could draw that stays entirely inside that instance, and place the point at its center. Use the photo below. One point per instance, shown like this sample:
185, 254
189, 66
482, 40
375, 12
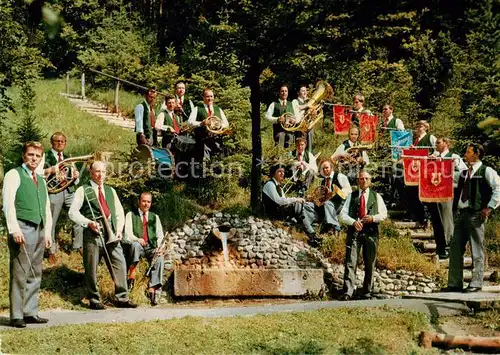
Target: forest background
436, 60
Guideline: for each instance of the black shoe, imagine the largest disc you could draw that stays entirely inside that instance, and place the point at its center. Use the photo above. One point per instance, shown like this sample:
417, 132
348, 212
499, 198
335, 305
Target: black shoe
130, 284
126, 304
18, 323
444, 256
35, 320
97, 306
366, 296
451, 289
345, 297
472, 289
152, 298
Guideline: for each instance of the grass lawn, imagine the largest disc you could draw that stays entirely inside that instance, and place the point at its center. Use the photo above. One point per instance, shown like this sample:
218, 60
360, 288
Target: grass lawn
340, 331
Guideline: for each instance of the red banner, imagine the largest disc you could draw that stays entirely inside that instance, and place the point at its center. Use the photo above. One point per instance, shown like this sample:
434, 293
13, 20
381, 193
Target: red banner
436, 180
412, 166
368, 128
341, 119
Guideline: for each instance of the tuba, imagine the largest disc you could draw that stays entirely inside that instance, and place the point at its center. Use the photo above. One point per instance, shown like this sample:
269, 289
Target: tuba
313, 113
63, 178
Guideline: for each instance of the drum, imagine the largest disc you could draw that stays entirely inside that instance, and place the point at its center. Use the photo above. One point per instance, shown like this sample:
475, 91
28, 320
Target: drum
183, 144
163, 158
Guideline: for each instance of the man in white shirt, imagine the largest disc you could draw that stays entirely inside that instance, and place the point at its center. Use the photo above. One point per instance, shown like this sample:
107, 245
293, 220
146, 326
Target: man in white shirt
144, 237
145, 118
53, 157
207, 144
183, 104
94, 202
390, 122
478, 194
275, 114
351, 162
363, 210
168, 122
26, 207
358, 107
299, 106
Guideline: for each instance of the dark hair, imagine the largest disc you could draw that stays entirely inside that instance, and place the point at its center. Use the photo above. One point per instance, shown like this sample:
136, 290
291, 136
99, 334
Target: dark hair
477, 149
300, 140
275, 168
151, 90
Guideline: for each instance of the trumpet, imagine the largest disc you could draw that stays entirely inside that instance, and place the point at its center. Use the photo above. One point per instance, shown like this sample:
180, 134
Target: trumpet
65, 171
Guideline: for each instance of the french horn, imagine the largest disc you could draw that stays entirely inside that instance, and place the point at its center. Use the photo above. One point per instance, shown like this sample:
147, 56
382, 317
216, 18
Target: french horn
214, 125
64, 176
321, 194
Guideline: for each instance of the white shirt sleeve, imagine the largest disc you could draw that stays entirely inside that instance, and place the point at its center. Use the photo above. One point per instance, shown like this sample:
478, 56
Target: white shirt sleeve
269, 114
48, 215
382, 210
494, 181
344, 184
120, 214
159, 124
74, 210
159, 231
271, 191
225, 123
138, 115
399, 125
192, 118
344, 213
433, 140
11, 183
129, 236
339, 151
364, 154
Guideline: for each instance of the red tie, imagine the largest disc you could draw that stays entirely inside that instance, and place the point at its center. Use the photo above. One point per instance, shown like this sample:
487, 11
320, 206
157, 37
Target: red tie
416, 141
145, 228
34, 179
209, 111
180, 102
362, 205
465, 191
327, 183
104, 204
59, 157
300, 156
174, 122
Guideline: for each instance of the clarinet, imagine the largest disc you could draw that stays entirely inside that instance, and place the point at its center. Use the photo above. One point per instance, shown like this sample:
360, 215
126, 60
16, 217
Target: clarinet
158, 252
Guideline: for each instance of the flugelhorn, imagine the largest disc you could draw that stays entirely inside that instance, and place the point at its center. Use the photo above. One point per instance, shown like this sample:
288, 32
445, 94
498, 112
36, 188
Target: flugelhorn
64, 176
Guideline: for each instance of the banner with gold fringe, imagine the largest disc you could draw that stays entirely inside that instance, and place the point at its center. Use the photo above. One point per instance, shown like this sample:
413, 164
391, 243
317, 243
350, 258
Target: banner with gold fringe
436, 180
411, 163
368, 128
341, 119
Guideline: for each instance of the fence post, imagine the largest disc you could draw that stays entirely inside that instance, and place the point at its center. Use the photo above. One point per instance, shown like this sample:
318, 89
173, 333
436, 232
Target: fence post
67, 83
83, 86
117, 91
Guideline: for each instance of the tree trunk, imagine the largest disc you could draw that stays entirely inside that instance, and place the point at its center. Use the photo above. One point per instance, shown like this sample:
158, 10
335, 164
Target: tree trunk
430, 339
256, 188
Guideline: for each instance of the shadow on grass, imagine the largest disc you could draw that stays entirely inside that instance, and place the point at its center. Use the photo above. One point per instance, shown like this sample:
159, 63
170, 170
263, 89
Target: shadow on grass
364, 346
68, 283
310, 347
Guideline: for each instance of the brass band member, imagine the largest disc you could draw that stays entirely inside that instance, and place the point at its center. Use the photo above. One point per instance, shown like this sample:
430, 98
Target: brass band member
358, 107
352, 161
331, 181
97, 199
26, 207
391, 122
145, 120
422, 136
274, 112
302, 164
168, 122
299, 106
199, 119
143, 236
183, 104
478, 194
441, 212
363, 210
64, 198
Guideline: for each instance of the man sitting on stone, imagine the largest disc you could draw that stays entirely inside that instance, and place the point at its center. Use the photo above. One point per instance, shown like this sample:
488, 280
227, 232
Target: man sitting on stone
144, 236
276, 204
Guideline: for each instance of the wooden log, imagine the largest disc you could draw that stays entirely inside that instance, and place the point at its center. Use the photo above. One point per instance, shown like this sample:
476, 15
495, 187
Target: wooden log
445, 341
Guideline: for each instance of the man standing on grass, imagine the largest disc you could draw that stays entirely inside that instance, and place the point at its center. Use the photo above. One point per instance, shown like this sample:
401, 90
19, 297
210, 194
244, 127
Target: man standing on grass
145, 120
93, 203
26, 208
363, 210
64, 198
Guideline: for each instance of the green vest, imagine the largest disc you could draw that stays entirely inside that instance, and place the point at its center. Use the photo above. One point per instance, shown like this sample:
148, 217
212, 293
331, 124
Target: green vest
392, 123
94, 203
168, 120
50, 161
371, 209
203, 113
137, 227
479, 190
186, 108
279, 110
425, 141
31, 200
146, 121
